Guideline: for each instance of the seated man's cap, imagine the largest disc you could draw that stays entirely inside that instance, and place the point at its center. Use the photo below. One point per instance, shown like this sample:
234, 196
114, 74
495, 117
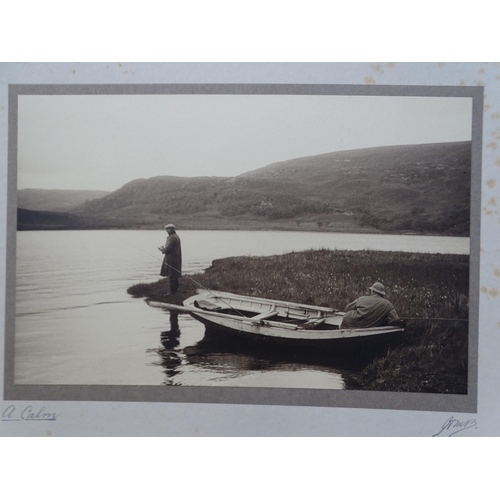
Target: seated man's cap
378, 288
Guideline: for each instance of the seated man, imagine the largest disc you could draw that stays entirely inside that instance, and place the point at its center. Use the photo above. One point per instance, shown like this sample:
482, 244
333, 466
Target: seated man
371, 310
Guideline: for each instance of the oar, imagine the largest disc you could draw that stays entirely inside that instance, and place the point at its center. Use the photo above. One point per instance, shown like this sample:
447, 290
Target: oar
169, 307
435, 319
183, 309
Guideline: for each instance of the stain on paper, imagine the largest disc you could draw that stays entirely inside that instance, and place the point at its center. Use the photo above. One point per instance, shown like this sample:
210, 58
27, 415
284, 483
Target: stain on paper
493, 292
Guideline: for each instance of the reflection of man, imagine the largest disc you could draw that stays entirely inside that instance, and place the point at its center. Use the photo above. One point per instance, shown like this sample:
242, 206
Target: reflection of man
172, 262
371, 310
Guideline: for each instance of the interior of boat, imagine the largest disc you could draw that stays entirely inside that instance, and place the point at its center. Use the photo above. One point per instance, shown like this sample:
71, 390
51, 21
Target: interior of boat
272, 314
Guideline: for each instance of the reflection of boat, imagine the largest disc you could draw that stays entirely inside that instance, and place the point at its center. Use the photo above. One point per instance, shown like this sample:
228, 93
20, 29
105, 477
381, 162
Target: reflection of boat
279, 322
218, 349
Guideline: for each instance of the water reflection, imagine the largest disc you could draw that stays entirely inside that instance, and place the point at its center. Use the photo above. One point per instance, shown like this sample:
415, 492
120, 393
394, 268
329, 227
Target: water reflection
221, 357
170, 357
170, 338
261, 354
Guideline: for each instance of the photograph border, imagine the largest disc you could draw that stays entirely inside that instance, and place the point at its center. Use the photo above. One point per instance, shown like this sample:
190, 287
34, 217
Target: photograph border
236, 395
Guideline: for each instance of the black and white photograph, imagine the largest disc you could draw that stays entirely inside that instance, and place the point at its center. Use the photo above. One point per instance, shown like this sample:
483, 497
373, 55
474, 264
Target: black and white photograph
258, 249
177, 243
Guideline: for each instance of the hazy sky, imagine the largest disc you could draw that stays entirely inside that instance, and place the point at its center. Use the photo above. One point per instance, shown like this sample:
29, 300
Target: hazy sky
105, 141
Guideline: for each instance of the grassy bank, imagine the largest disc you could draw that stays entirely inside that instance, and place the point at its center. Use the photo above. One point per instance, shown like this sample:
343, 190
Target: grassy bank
421, 286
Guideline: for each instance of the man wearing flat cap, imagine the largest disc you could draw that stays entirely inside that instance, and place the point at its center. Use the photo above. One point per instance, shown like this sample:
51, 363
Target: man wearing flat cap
370, 310
172, 262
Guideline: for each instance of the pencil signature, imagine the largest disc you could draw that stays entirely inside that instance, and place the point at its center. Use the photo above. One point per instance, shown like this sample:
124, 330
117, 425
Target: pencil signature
453, 426
27, 413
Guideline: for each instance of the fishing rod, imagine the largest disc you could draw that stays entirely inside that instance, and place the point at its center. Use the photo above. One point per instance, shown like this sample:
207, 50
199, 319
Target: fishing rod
193, 280
435, 319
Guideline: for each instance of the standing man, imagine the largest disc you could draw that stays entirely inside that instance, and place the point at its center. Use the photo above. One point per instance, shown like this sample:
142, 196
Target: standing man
172, 262
370, 310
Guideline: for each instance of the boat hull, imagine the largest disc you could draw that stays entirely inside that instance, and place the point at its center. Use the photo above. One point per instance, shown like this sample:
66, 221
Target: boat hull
369, 342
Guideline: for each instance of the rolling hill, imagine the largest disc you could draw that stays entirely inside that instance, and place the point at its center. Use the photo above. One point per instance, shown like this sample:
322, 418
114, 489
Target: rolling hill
40, 219
415, 188
55, 200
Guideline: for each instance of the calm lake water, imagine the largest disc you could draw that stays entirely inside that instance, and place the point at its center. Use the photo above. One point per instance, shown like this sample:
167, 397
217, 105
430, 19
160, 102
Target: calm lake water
76, 324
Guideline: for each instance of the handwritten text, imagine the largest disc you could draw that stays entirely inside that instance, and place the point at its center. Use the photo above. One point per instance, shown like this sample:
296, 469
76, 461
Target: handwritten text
453, 426
27, 413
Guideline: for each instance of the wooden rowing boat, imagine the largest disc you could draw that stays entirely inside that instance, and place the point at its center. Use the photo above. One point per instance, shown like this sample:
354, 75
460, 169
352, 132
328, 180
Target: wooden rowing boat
273, 320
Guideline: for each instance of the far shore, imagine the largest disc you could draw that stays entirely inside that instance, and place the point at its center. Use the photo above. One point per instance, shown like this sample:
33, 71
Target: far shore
434, 355
59, 221
309, 228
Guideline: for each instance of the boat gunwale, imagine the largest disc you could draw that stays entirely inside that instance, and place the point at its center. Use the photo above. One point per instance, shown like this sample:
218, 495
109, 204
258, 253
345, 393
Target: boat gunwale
277, 330
233, 296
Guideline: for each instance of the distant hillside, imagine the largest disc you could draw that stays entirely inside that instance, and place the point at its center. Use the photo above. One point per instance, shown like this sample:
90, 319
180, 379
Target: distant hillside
55, 200
415, 188
34, 220
419, 187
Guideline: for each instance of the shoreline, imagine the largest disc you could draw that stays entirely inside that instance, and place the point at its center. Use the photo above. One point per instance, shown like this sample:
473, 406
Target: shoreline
260, 229
60, 221
434, 355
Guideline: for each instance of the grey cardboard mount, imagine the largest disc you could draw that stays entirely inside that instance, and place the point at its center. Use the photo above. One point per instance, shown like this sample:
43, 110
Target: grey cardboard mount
119, 410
